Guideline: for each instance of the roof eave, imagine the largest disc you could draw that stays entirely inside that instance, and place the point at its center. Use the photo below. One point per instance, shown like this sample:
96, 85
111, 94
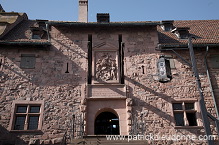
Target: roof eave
26, 43
167, 46
102, 24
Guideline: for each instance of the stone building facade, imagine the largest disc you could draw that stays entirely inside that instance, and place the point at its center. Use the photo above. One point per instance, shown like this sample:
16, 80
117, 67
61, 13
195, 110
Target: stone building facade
67, 80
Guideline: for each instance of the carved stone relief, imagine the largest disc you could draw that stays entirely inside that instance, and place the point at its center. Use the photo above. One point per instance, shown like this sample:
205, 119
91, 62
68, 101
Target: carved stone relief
106, 67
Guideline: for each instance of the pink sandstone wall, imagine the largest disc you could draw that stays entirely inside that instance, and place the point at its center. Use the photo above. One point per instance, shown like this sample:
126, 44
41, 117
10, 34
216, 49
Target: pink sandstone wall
64, 94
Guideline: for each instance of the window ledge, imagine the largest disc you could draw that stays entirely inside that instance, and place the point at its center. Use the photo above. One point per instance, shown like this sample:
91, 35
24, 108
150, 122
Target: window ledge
188, 127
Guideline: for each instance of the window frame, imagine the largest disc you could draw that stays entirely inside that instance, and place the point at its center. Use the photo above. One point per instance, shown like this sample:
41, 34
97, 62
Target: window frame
212, 58
24, 57
196, 110
27, 114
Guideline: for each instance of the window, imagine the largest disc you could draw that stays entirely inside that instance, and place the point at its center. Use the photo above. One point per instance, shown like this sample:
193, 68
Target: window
214, 61
185, 113
28, 61
182, 35
36, 36
27, 115
167, 25
37, 32
181, 32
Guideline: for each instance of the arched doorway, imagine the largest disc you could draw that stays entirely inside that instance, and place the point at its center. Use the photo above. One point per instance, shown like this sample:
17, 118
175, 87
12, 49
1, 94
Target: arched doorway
106, 123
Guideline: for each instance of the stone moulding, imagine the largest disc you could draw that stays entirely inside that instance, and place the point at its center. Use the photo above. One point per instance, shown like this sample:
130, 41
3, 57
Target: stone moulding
110, 91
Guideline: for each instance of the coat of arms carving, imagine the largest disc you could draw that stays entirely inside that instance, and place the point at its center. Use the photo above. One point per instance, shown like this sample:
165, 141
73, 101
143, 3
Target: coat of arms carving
106, 66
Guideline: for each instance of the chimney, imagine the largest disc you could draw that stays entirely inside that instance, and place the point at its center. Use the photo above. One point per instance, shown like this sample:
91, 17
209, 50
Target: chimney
103, 17
83, 11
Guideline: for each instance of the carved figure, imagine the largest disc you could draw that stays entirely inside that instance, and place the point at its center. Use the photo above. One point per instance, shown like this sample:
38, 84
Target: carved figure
106, 69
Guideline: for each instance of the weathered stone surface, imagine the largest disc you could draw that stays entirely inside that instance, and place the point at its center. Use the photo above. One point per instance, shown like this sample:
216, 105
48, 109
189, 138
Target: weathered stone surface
60, 79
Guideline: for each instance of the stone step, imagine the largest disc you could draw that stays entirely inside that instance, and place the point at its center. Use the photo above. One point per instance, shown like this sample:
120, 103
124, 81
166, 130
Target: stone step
101, 140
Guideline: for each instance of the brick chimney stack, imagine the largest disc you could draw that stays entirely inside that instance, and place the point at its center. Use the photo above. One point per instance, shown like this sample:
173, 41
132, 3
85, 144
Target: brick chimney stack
83, 11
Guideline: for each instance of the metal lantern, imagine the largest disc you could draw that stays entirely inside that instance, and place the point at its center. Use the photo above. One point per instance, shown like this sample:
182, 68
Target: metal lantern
164, 71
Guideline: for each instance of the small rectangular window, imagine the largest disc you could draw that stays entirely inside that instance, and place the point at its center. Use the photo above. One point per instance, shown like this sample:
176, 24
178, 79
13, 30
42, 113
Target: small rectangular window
177, 106
36, 36
33, 122
34, 109
189, 106
214, 61
19, 123
191, 117
184, 114
179, 118
37, 32
28, 61
21, 109
27, 116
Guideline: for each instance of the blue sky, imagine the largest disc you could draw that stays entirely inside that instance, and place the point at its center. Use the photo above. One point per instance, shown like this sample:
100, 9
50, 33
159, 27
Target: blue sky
120, 10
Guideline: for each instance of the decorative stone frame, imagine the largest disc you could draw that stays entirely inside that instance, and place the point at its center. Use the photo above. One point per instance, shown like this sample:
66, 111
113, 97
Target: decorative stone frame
27, 103
196, 109
94, 68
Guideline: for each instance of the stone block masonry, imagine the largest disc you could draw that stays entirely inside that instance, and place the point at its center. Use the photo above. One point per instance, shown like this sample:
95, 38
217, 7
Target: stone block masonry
59, 78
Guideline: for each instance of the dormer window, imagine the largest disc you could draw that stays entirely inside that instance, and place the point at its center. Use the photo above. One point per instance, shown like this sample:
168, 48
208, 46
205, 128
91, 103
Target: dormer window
181, 32
167, 25
42, 23
36, 36
37, 33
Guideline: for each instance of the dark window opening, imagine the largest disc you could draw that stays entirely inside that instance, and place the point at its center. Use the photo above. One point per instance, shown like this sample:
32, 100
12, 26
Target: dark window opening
177, 106
179, 119
183, 35
189, 106
21, 109
37, 32
191, 117
181, 32
34, 109
107, 123
33, 122
36, 36
19, 123
167, 25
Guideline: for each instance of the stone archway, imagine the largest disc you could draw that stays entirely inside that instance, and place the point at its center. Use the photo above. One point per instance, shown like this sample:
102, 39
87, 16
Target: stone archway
107, 123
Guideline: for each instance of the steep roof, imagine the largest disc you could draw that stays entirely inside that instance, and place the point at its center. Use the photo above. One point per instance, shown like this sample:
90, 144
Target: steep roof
21, 35
8, 20
15, 29
205, 32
